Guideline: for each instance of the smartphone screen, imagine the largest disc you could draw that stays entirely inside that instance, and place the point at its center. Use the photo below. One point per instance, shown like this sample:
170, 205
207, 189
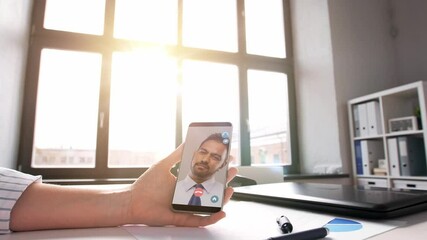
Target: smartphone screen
202, 173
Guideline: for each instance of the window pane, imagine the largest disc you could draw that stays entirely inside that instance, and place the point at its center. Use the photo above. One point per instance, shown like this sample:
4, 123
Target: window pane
210, 24
268, 117
210, 93
67, 109
142, 108
265, 28
80, 16
147, 20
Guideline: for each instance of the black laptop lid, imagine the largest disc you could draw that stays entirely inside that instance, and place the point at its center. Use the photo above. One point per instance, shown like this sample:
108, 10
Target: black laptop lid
341, 199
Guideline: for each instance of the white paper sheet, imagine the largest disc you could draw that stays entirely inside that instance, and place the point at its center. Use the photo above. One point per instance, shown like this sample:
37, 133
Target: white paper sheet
247, 220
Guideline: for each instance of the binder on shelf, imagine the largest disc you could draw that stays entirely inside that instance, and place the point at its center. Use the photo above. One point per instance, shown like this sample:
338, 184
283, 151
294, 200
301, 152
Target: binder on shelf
393, 156
372, 150
412, 156
359, 161
374, 118
356, 121
390, 117
363, 119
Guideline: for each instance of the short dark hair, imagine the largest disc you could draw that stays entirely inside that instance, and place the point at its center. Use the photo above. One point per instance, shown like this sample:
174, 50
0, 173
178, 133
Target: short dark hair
217, 137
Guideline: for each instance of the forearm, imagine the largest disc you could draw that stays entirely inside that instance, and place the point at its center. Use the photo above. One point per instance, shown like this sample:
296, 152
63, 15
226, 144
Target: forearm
44, 206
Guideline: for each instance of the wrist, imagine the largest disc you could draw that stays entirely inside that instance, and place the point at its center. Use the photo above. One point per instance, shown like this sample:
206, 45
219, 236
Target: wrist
119, 206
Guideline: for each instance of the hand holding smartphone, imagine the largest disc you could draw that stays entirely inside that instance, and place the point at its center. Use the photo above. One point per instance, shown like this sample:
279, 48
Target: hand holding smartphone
203, 170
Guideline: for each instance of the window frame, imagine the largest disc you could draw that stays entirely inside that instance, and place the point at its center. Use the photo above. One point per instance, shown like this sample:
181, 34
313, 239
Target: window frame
106, 44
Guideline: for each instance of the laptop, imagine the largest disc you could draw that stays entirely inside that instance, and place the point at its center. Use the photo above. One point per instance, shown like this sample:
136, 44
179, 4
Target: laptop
363, 202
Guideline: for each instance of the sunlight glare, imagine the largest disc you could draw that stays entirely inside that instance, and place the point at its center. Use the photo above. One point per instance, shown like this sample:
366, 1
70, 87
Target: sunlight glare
265, 28
209, 93
79, 16
143, 101
210, 24
67, 100
147, 20
266, 89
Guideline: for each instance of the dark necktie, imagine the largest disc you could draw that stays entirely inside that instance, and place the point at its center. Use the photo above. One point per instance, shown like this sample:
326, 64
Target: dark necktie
195, 198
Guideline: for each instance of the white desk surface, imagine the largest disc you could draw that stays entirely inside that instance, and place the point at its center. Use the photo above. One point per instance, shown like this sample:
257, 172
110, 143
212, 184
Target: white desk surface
245, 220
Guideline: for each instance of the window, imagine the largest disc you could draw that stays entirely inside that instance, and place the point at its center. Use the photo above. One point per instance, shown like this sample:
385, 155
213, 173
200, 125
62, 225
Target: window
146, 20
77, 16
113, 84
66, 110
209, 93
210, 24
265, 28
268, 125
142, 108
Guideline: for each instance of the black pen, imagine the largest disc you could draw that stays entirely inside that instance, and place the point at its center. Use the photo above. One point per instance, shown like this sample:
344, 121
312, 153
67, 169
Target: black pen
304, 235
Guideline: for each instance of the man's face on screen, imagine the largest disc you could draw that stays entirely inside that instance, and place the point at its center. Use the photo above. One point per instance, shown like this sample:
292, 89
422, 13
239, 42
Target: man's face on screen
207, 160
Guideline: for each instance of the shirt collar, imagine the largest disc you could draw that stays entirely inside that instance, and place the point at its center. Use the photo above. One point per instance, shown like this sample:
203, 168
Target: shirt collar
208, 184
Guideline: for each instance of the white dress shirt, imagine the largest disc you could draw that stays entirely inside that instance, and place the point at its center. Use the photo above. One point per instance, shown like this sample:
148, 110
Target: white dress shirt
212, 194
12, 185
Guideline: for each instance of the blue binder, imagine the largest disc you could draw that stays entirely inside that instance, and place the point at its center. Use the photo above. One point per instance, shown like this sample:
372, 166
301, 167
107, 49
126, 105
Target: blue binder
359, 160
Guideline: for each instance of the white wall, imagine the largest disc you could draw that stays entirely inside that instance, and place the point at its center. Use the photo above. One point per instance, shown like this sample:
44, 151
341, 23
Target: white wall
344, 49
14, 31
364, 56
410, 19
315, 85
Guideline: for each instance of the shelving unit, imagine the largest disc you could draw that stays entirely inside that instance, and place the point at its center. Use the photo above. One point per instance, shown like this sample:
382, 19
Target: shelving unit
377, 164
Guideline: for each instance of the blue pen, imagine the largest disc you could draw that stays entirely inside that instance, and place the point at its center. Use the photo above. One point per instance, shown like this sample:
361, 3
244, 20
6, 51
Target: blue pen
311, 234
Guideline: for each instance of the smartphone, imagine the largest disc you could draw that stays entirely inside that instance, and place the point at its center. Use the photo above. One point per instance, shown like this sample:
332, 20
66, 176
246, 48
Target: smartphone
202, 173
